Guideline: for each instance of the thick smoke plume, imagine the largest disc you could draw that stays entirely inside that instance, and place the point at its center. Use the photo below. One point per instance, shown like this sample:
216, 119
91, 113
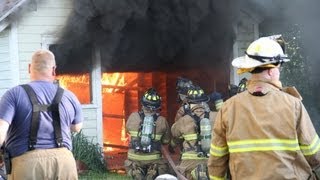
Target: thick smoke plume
148, 35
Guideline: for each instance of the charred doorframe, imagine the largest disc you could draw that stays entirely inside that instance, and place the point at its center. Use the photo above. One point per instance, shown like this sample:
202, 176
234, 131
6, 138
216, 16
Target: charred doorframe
95, 91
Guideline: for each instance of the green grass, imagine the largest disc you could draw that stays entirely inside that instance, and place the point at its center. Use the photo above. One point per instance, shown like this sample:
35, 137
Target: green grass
107, 175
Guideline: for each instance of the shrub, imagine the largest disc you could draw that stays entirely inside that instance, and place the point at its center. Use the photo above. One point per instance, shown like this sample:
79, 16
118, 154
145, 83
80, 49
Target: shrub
88, 152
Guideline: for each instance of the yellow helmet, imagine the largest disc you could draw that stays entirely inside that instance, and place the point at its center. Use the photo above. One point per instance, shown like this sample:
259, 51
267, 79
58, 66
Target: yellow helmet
263, 51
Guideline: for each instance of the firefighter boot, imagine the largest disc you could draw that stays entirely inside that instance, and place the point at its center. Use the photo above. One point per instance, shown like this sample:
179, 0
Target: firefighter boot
137, 173
200, 173
152, 172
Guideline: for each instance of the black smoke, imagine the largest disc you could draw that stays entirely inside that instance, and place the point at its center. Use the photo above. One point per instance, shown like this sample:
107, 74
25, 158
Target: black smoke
303, 17
148, 35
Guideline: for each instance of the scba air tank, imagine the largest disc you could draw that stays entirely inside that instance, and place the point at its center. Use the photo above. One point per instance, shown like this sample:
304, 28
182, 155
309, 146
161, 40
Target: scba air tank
205, 134
146, 132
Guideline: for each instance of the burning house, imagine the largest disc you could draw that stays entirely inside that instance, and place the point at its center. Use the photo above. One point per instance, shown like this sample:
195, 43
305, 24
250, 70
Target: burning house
109, 52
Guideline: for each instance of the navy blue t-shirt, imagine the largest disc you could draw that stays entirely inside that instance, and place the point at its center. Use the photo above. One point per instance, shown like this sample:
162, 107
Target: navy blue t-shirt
16, 109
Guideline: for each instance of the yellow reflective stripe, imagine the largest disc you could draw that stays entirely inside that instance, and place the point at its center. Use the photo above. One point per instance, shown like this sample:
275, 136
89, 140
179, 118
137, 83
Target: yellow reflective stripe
158, 137
189, 137
191, 155
311, 149
133, 133
218, 151
166, 141
216, 178
143, 157
263, 145
219, 104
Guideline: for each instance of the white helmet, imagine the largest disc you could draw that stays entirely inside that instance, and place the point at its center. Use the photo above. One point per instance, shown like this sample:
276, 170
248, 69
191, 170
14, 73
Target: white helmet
262, 51
166, 177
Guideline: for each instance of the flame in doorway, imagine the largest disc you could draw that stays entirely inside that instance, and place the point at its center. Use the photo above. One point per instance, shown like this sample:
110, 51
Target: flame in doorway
111, 81
112, 85
124, 137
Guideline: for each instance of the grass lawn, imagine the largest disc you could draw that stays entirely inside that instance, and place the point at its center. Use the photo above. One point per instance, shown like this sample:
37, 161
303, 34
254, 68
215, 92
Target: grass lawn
106, 175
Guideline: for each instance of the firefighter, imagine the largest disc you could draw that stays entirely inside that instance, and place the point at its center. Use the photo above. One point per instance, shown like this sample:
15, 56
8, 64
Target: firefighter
148, 131
193, 130
217, 100
182, 87
234, 89
263, 132
242, 86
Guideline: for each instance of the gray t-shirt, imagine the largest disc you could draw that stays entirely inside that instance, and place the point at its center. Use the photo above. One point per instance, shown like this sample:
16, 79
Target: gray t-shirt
16, 109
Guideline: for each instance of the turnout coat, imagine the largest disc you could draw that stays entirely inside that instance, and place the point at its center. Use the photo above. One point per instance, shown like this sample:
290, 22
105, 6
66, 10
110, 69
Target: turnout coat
265, 135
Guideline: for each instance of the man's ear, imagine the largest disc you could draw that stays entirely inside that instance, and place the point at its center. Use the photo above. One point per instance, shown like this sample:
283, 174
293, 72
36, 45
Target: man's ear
270, 71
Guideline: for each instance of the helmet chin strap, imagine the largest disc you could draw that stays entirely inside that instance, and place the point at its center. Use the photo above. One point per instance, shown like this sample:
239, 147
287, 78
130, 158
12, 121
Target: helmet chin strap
147, 110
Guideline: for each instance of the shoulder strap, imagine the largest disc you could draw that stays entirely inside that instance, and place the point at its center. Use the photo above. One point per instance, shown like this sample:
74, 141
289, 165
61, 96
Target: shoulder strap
206, 115
56, 116
37, 108
141, 114
196, 120
35, 115
186, 108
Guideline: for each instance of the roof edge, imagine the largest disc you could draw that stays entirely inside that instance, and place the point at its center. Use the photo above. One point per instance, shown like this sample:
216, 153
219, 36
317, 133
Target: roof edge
16, 6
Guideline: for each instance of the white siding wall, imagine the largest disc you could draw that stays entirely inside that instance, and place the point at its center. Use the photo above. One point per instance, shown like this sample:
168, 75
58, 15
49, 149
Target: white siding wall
33, 30
246, 32
5, 80
47, 20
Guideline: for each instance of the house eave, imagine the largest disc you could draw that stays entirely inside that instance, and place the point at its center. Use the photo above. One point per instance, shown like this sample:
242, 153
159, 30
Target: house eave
3, 25
14, 8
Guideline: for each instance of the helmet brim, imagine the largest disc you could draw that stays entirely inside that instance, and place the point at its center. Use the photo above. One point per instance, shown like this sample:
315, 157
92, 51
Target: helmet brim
204, 99
247, 62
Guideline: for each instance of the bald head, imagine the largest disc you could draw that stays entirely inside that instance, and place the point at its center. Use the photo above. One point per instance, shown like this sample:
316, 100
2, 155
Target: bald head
42, 65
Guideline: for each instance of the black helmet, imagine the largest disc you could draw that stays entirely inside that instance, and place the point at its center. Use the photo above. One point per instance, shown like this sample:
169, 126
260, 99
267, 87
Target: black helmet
151, 99
232, 89
196, 95
183, 85
242, 85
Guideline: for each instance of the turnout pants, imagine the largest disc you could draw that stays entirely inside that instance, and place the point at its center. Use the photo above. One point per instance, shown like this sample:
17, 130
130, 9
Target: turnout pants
187, 166
146, 170
46, 164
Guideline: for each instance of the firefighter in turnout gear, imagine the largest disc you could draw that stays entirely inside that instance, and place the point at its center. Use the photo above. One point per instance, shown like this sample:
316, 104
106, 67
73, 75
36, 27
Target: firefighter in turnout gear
263, 132
242, 85
234, 89
182, 87
148, 131
193, 130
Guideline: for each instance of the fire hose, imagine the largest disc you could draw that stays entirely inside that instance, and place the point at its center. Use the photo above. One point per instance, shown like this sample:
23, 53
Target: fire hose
172, 164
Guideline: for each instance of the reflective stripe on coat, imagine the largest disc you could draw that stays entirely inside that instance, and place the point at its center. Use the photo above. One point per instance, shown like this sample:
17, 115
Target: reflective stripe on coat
263, 137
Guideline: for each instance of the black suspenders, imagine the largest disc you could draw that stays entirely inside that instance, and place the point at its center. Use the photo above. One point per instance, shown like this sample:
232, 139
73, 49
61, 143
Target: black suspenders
37, 108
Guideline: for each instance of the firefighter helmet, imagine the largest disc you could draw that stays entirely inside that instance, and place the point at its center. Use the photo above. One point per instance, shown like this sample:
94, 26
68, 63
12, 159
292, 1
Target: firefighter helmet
151, 99
242, 85
263, 51
196, 95
183, 85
